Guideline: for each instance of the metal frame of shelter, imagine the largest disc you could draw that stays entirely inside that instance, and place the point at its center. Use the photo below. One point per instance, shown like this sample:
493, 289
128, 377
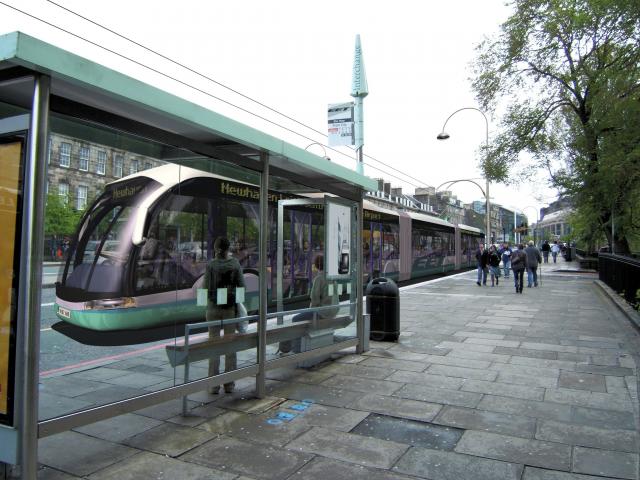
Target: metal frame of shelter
41, 79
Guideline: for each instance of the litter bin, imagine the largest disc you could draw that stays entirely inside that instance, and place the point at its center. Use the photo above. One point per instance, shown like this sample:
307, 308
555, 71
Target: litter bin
383, 307
568, 254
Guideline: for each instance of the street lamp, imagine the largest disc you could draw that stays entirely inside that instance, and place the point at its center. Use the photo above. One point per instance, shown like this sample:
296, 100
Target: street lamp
444, 136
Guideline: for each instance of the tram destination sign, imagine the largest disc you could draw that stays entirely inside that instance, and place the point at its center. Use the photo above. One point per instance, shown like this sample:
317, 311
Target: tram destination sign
340, 127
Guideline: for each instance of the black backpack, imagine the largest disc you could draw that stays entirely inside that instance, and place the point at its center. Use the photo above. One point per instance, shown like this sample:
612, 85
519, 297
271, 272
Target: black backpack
227, 278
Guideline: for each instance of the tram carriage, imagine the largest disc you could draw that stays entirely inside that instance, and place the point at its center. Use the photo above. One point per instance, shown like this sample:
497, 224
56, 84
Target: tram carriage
140, 252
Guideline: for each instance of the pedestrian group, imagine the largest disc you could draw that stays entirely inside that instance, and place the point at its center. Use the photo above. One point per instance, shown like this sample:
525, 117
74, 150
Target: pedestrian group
517, 259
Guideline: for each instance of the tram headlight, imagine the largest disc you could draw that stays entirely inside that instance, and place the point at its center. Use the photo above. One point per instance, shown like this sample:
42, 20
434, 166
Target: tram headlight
109, 303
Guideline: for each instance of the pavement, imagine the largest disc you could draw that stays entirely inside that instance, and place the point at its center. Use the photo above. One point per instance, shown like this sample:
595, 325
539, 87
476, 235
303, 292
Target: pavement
483, 384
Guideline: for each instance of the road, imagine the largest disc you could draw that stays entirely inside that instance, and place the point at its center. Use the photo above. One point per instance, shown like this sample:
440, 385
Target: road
59, 353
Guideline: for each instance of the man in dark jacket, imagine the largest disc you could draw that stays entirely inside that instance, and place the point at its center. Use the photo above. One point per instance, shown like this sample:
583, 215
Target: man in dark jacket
518, 265
546, 248
533, 259
481, 259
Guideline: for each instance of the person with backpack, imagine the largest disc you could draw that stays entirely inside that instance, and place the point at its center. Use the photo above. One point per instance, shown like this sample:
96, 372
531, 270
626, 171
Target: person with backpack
222, 277
518, 265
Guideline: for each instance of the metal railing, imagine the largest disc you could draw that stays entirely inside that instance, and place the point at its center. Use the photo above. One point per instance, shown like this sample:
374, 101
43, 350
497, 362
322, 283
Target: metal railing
622, 274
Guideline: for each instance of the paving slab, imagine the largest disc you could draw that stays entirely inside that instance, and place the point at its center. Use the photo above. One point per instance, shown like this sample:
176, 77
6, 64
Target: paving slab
149, 466
440, 465
422, 378
393, 364
365, 385
439, 395
588, 436
246, 458
79, 454
605, 401
532, 473
349, 447
410, 432
473, 419
326, 468
530, 408
319, 394
169, 439
582, 381
118, 429
472, 373
596, 417
517, 450
605, 463
399, 407
504, 389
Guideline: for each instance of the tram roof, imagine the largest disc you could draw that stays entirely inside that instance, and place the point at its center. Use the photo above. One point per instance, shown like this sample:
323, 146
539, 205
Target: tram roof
86, 83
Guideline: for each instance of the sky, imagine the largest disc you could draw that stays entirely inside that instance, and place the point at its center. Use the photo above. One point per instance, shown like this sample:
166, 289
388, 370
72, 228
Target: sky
296, 57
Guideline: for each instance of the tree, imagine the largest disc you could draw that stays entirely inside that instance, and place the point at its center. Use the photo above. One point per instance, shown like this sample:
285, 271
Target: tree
570, 70
60, 217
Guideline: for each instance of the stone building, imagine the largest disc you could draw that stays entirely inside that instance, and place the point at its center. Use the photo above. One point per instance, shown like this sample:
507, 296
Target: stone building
79, 170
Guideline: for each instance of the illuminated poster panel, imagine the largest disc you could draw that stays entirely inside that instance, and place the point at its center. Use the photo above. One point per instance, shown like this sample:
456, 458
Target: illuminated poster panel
10, 158
338, 239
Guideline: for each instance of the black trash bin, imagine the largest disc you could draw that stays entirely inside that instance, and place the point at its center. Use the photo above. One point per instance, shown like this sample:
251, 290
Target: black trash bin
383, 306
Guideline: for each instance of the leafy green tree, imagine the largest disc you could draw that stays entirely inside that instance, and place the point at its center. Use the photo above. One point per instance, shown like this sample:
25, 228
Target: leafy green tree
60, 217
567, 74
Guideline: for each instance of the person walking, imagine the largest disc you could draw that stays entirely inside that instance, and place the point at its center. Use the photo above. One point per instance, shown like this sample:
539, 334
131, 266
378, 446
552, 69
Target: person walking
518, 265
493, 260
546, 248
533, 260
223, 276
481, 259
505, 253
555, 250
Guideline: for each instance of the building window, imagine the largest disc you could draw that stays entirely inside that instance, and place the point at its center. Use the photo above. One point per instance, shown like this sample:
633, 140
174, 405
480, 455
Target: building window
133, 167
101, 166
84, 159
147, 165
81, 197
63, 190
65, 154
118, 163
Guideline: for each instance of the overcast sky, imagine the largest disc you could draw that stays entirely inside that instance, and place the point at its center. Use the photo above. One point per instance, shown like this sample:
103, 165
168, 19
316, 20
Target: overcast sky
297, 56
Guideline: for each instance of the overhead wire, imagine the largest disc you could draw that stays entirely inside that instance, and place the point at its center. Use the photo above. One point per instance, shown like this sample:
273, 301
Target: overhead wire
199, 89
206, 77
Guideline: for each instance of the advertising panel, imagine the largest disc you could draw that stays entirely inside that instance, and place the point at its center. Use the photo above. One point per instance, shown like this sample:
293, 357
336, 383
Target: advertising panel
338, 241
10, 157
340, 117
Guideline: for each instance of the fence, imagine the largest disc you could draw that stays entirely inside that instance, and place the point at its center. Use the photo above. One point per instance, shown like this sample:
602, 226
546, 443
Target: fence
622, 274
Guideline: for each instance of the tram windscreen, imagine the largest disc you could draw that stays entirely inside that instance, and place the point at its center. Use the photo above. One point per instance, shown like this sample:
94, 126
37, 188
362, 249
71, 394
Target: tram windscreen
100, 253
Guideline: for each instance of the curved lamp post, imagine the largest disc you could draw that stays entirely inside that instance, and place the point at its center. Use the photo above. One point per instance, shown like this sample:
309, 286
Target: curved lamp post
325, 156
444, 136
449, 183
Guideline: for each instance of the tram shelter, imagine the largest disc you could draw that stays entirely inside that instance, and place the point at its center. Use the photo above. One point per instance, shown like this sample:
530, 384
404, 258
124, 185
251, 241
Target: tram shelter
281, 207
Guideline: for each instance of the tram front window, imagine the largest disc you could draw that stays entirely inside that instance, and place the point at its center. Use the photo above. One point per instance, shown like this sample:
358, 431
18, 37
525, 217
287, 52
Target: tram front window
99, 257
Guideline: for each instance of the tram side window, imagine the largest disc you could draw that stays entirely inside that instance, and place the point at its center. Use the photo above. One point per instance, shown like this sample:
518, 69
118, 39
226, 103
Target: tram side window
174, 253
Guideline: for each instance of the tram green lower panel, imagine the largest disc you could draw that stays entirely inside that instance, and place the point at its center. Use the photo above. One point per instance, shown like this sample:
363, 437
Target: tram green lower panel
137, 318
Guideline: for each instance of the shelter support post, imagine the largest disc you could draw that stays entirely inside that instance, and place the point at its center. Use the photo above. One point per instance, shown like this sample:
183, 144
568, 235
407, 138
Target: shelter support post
264, 238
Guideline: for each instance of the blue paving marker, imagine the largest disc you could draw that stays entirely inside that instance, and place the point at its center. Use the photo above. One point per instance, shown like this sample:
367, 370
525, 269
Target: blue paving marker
300, 407
274, 421
286, 416
308, 401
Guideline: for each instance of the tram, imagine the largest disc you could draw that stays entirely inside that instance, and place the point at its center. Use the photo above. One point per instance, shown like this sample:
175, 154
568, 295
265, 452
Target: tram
140, 251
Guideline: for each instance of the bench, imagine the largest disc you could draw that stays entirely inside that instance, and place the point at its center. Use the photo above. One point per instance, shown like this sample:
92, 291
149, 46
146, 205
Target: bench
206, 348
